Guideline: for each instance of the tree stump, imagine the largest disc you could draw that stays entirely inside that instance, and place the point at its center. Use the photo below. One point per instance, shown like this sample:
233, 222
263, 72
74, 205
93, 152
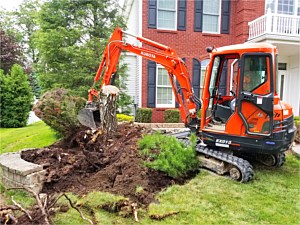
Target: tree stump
108, 108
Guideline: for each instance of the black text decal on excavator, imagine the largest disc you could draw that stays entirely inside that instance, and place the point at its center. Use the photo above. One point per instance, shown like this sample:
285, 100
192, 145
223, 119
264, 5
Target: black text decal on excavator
223, 143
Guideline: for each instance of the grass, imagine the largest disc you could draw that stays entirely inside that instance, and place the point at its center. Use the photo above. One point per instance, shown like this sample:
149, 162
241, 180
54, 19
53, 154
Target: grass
35, 135
273, 197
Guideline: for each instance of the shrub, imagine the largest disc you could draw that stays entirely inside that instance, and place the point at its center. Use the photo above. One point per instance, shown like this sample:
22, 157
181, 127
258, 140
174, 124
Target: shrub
167, 154
143, 115
172, 116
199, 113
58, 109
15, 98
124, 118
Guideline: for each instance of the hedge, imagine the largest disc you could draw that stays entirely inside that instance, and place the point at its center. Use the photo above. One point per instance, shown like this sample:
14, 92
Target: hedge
143, 115
171, 116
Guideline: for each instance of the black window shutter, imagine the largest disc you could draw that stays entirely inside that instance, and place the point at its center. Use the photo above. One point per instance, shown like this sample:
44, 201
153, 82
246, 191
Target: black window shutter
152, 4
196, 77
181, 18
198, 14
225, 17
178, 88
151, 95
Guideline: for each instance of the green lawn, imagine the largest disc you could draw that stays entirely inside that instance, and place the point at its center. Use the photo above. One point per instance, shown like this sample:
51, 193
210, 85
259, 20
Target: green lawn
273, 197
35, 135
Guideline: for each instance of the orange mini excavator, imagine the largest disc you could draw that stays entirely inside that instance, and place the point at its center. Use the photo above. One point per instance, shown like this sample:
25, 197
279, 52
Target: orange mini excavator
241, 118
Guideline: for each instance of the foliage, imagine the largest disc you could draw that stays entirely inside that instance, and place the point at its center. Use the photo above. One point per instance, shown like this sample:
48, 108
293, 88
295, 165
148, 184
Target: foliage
35, 135
297, 124
143, 115
124, 102
16, 98
167, 154
171, 116
58, 109
63, 49
26, 20
124, 118
36, 89
199, 113
10, 52
70, 42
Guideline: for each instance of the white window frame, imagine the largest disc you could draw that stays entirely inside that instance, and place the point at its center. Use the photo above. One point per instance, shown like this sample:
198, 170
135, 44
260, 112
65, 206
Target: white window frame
219, 20
204, 63
172, 105
175, 17
296, 5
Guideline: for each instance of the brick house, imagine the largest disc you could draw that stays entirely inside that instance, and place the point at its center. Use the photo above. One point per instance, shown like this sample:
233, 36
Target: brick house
190, 26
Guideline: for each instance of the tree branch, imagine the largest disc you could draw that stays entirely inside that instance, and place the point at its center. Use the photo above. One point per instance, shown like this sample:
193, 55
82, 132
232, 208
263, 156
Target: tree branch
21, 208
74, 207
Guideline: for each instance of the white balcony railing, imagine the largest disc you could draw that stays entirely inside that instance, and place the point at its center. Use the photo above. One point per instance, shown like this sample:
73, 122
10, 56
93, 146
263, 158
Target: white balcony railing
274, 24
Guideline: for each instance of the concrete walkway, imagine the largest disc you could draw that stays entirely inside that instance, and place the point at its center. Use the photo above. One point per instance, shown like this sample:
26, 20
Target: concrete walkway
296, 149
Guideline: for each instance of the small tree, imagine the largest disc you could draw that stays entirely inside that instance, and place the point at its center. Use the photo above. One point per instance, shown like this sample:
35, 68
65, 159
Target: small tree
15, 98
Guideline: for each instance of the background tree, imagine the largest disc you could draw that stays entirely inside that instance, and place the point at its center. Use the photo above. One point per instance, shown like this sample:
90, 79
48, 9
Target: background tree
26, 21
15, 98
10, 52
71, 41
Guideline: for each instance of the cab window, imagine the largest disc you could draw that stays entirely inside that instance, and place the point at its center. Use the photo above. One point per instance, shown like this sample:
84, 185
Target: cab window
255, 72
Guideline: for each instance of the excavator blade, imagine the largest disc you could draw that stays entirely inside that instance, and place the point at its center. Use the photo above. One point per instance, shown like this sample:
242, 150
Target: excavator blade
89, 117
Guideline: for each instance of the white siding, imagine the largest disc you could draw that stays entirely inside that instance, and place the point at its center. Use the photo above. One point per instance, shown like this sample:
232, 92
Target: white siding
134, 62
293, 84
132, 82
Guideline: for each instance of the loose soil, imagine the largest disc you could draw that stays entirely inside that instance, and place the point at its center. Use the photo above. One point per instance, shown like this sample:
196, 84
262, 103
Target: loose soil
108, 162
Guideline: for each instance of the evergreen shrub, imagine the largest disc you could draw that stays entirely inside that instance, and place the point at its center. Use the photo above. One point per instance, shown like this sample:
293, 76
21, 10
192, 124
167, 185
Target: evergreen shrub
15, 98
143, 115
167, 154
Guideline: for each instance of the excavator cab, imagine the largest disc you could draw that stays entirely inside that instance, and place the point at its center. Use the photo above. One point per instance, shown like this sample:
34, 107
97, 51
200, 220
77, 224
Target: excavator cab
241, 109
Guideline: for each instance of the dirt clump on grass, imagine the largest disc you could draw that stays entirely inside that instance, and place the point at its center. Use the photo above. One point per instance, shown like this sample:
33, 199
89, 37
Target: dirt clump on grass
108, 162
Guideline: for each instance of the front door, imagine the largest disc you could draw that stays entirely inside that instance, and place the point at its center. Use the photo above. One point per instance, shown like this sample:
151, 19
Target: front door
256, 94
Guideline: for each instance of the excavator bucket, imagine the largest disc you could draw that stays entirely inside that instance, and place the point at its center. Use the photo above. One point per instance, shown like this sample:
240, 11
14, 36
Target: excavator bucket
89, 117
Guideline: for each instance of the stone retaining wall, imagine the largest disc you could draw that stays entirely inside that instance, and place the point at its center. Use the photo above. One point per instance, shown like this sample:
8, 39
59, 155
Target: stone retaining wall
16, 172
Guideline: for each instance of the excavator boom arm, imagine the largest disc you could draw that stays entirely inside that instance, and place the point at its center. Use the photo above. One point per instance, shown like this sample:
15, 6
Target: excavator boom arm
163, 55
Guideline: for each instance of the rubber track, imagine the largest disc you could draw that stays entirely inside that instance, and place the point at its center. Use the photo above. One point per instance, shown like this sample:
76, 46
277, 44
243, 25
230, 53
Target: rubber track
244, 166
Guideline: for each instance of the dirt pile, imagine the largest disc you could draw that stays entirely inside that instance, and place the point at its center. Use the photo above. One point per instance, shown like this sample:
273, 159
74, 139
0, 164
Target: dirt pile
104, 162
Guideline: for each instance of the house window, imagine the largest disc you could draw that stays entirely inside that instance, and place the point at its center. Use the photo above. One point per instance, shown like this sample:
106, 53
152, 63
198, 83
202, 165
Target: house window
285, 7
211, 15
166, 14
164, 93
